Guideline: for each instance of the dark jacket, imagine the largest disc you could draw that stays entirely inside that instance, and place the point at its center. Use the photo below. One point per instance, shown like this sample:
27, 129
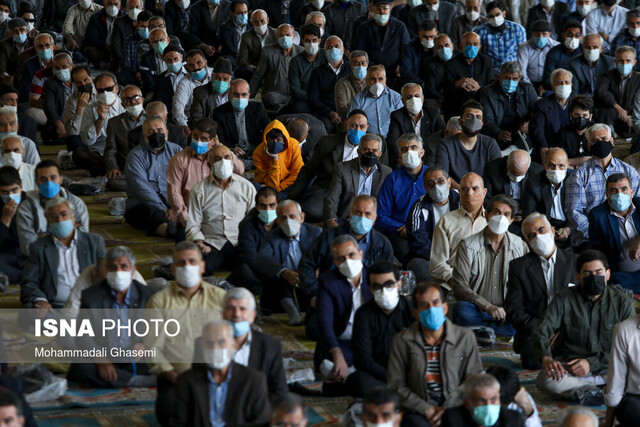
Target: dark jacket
420, 224
9, 242
604, 231
251, 234
100, 295
495, 103
496, 180
247, 398
122, 28
460, 417
177, 21
10, 57
274, 12
402, 123
433, 75
548, 118
540, 199
320, 90
96, 33
316, 132
413, 60
28, 127
162, 89
255, 117
319, 255
176, 135
203, 102
341, 20
458, 68
29, 69
150, 73
272, 255
54, 99
387, 51
557, 57
201, 25
569, 140
230, 39
609, 90
537, 13
581, 76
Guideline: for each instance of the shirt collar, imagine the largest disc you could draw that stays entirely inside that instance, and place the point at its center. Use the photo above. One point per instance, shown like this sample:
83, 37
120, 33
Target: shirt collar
552, 258
226, 380
127, 298
373, 169
72, 244
617, 215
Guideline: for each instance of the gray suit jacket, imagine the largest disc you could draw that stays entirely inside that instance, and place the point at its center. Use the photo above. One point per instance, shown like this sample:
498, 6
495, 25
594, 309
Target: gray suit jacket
344, 188
205, 100
251, 47
276, 78
40, 275
117, 145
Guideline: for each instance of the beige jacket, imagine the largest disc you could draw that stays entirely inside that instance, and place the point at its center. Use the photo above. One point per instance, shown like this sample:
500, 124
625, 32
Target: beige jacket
344, 93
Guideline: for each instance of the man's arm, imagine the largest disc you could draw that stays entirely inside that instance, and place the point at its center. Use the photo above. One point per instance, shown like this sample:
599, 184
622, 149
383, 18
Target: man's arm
295, 80
439, 267
332, 199
175, 175
460, 280
26, 225
180, 98
417, 234
362, 347
138, 183
31, 279
515, 303
397, 369
110, 149
258, 75
196, 216
545, 329
386, 200
618, 369
575, 209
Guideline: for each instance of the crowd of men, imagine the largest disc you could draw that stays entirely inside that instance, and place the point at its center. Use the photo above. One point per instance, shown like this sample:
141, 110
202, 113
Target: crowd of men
315, 150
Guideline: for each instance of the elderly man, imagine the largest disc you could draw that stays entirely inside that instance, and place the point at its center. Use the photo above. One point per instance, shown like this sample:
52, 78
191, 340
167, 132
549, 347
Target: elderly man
123, 27
84, 94
12, 150
157, 108
558, 56
11, 48
252, 42
164, 85
456, 225
361, 175
466, 22
69, 249
499, 37
572, 137
76, 22
534, 281
146, 174
615, 93
549, 12
38, 65
153, 63
290, 409
607, 20
586, 186
629, 36
435, 10
433, 71
418, 356
508, 175
200, 74
481, 296
578, 416
56, 91
508, 103
211, 224
31, 220
348, 87
210, 96
533, 53
417, 52
97, 38
11, 194
302, 66
481, 406
582, 319
415, 117
588, 67
9, 126
341, 20
27, 127
272, 74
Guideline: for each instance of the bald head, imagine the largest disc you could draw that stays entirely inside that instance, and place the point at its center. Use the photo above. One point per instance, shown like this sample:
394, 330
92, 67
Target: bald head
219, 152
298, 129
556, 155
518, 162
157, 108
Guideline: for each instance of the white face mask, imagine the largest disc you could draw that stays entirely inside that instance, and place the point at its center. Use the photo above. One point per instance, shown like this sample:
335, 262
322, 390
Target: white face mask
30, 26
350, 268
376, 89
543, 244
592, 55
222, 169
635, 32
515, 178
439, 193
85, 4
411, 159
427, 43
261, 29
584, 9
473, 15
188, 276
11, 107
414, 105
389, 423
547, 3
311, 48
556, 176
562, 91
571, 43
321, 32
119, 280
107, 98
184, 3
133, 13
218, 358
317, 3
112, 11
433, 7
290, 227
387, 299
499, 224
3, 16
497, 21
135, 110
13, 159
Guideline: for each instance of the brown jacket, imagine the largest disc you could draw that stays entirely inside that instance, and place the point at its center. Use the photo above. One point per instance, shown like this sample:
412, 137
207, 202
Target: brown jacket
459, 358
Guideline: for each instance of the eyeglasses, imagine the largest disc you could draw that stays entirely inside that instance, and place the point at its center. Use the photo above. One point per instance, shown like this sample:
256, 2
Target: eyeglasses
388, 285
106, 89
29, 20
131, 98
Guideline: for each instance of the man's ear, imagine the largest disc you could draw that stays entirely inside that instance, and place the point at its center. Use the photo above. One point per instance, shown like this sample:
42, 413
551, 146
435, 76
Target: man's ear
302, 218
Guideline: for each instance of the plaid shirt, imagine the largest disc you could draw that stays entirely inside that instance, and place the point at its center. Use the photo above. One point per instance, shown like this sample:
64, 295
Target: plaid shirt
501, 47
130, 52
586, 190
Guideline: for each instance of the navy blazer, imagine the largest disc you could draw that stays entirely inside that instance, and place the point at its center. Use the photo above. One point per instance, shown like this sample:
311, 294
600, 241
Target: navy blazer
548, 118
96, 32
540, 199
275, 247
413, 61
230, 39
387, 51
580, 69
557, 57
251, 234
604, 231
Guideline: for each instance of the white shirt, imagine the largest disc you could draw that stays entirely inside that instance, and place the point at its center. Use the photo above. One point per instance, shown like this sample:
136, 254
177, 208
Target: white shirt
534, 419
350, 151
175, 78
548, 268
97, 140
556, 210
68, 267
356, 294
515, 189
624, 369
241, 355
417, 124
600, 21
27, 174
183, 96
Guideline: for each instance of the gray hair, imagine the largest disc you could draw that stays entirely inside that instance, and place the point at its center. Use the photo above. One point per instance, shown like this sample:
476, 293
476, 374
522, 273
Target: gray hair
63, 55
104, 75
514, 153
454, 123
159, 104
127, 87
45, 35
8, 137
259, 11
315, 13
409, 86
344, 238
358, 54
442, 35
240, 293
286, 25
557, 71
186, 245
591, 129
408, 137
623, 49
477, 381
287, 202
510, 67
365, 197
153, 118
533, 217
372, 137
55, 201
6, 111
120, 251
593, 35
433, 169
157, 29
333, 38
217, 323
577, 410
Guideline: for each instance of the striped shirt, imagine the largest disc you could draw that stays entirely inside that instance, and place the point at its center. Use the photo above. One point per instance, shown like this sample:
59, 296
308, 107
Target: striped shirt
433, 376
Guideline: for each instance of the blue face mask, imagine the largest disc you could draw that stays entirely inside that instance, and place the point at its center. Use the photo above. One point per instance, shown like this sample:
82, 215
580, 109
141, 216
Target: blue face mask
354, 136
359, 72
49, 189
20, 38
61, 229
239, 104
275, 147
143, 33
241, 328
509, 86
334, 54
160, 47
540, 42
199, 75
445, 53
15, 197
214, 2
3, 134
360, 224
45, 54
174, 67
471, 52
620, 202
624, 69
285, 42
242, 19
220, 86
432, 318
267, 216
199, 147
381, 19
64, 75
486, 415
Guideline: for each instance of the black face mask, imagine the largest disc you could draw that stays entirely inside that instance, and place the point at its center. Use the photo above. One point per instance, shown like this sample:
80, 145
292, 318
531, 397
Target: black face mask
88, 88
601, 149
368, 160
593, 285
608, 3
157, 140
580, 123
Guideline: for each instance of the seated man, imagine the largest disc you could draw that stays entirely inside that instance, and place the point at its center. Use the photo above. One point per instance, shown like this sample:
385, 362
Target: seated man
97, 38
628, 36
572, 137
27, 127
613, 226
166, 83
499, 37
69, 249
11, 193
455, 226
349, 86
31, 220
76, 21
423, 216
558, 56
146, 172
123, 27
374, 326
289, 408
533, 53
481, 296
508, 103
534, 280
56, 90
302, 66
362, 175
419, 354
588, 67
272, 74
433, 71
442, 13
552, 13
586, 187
481, 391
118, 291
508, 175
279, 257
419, 50
381, 406
84, 93
15, 409
12, 150
582, 319
399, 191
513, 395
212, 224
199, 75
253, 348
431, 144
252, 42
39, 63
467, 151
378, 101
189, 291
341, 20
231, 31
153, 62
210, 96
156, 108
11, 48
9, 126
607, 20
614, 96
277, 159
341, 292
239, 394
130, 64
467, 21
